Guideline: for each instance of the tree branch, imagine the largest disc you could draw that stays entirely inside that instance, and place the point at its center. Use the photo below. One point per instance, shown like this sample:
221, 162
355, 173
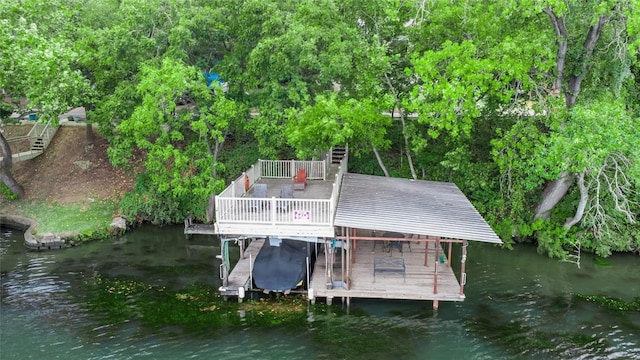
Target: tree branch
384, 168
584, 199
575, 81
561, 32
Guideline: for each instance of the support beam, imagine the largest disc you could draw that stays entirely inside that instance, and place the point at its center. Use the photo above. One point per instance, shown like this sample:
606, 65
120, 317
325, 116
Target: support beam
435, 267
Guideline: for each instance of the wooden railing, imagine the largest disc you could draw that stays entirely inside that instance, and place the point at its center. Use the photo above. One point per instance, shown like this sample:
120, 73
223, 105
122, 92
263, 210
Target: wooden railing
286, 169
234, 207
271, 211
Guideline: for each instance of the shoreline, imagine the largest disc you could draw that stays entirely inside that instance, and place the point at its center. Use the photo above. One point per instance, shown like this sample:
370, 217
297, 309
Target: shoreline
54, 241
31, 241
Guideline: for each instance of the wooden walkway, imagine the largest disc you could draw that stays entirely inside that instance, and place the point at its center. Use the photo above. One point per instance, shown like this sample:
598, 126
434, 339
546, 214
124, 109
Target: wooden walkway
417, 283
198, 229
240, 276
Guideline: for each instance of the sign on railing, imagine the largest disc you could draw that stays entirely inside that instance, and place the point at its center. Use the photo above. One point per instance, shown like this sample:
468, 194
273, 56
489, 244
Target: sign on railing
301, 216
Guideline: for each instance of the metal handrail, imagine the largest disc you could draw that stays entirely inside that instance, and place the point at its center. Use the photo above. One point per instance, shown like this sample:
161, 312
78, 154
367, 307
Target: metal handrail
43, 131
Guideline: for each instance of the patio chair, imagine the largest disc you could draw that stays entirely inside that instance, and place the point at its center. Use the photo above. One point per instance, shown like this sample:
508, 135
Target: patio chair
300, 180
259, 194
286, 192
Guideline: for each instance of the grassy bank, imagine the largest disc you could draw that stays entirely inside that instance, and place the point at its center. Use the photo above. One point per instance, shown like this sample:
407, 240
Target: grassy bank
83, 221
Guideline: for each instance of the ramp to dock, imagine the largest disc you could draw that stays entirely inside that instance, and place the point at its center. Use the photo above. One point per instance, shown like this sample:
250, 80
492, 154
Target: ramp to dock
240, 276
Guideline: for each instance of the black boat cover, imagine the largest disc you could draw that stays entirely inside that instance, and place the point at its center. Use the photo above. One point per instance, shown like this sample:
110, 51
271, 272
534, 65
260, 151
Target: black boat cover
280, 268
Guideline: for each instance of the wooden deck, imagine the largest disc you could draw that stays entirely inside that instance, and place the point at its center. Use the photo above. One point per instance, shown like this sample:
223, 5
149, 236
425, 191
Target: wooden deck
199, 229
240, 276
309, 213
417, 283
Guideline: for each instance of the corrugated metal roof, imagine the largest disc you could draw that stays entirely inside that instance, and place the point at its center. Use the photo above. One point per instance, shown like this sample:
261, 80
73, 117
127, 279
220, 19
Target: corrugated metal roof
410, 206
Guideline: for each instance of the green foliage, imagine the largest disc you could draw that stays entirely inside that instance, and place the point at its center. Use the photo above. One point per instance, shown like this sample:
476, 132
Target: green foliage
554, 240
146, 203
241, 151
331, 122
6, 192
200, 309
37, 60
489, 113
611, 303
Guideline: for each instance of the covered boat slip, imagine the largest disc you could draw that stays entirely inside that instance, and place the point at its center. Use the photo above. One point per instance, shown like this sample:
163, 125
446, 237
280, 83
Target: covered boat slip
378, 269
414, 219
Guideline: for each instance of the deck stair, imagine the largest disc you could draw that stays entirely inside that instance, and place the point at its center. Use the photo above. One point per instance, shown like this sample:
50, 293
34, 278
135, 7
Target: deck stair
38, 138
38, 144
337, 153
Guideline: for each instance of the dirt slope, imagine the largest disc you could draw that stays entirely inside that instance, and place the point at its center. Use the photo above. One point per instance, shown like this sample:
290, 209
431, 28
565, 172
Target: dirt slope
57, 176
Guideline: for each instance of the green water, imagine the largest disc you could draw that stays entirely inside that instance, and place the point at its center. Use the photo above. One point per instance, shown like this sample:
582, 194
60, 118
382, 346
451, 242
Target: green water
519, 305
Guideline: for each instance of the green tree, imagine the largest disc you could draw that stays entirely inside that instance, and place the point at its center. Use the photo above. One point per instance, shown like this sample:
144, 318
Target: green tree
181, 143
556, 87
36, 65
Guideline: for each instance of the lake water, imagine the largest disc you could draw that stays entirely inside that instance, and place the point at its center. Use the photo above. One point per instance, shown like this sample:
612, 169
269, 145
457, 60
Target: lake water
519, 305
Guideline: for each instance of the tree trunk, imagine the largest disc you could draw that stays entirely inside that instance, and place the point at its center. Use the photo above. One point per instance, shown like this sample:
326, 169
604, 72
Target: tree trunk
384, 168
584, 199
91, 138
210, 211
215, 152
404, 130
12, 184
553, 193
406, 147
5, 169
557, 189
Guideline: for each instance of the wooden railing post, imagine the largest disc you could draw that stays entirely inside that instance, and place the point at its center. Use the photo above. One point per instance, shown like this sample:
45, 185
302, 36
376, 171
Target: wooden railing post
273, 210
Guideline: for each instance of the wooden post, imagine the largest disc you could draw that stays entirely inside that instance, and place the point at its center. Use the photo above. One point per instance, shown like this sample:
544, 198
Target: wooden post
435, 304
426, 251
463, 274
328, 264
343, 256
449, 255
435, 267
349, 254
273, 210
353, 253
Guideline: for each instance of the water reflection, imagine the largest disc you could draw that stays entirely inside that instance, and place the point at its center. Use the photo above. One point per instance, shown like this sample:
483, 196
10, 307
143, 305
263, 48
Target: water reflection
519, 305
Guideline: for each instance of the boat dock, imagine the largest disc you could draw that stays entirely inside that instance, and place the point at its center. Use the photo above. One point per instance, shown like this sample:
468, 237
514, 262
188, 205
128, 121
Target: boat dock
240, 276
375, 237
417, 272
